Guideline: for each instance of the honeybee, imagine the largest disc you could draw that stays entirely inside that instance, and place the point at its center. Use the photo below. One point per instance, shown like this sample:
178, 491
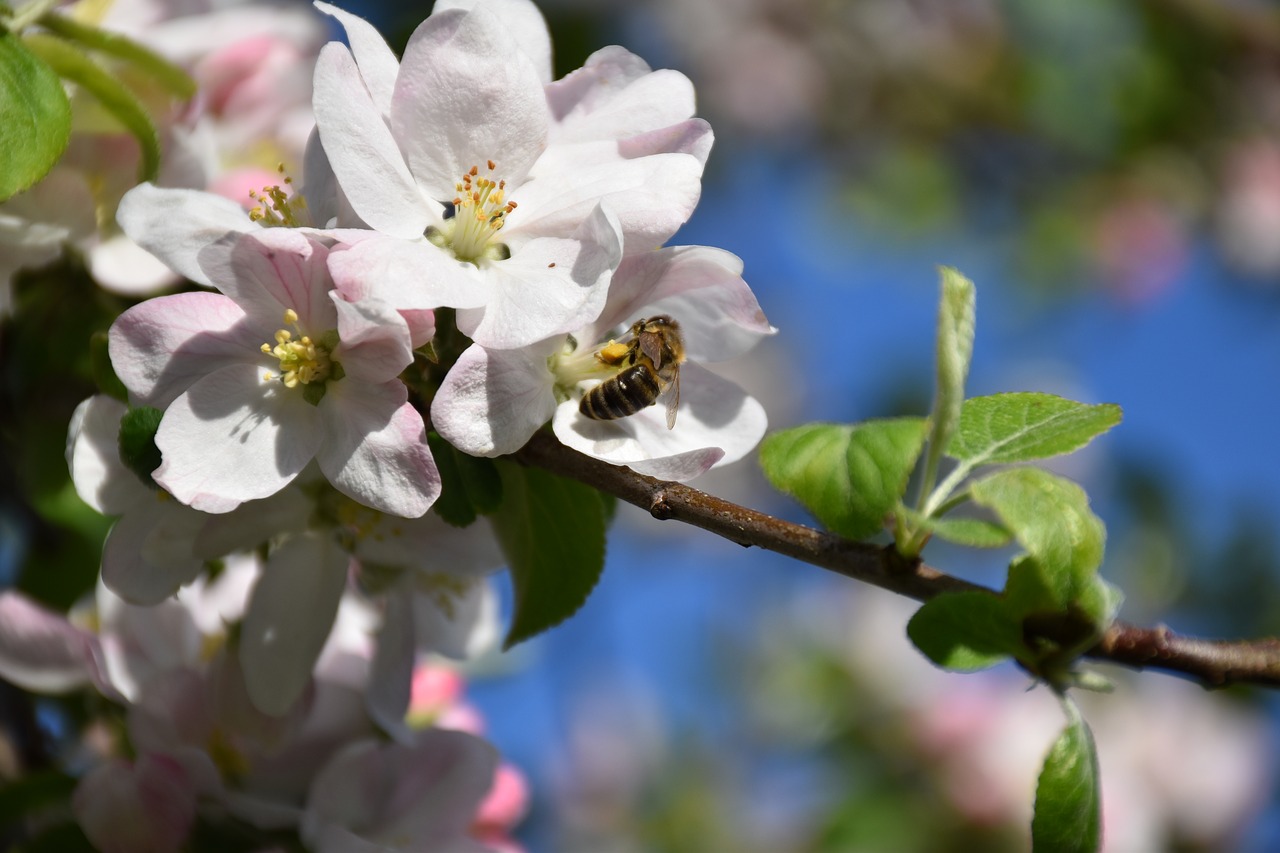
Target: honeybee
650, 364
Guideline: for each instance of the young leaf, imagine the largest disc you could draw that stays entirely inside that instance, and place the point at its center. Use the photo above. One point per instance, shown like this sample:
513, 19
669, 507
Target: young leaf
1067, 814
155, 67
552, 532
470, 485
973, 532
965, 631
956, 321
71, 63
849, 477
1025, 426
35, 117
1050, 517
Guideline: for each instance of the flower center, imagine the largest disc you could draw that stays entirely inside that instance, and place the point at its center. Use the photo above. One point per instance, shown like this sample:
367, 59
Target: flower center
274, 206
574, 364
302, 360
479, 211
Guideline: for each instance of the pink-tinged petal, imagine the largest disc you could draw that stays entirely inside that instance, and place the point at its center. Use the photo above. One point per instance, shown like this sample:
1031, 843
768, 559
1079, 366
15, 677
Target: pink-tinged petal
467, 628
523, 21
235, 436
176, 224
467, 94
147, 556
365, 158
271, 270
409, 276
93, 455
614, 95
507, 802
419, 797
651, 197
41, 651
492, 401
391, 672
548, 287
717, 423
692, 137
378, 64
375, 448
375, 344
122, 266
145, 807
700, 287
422, 325
607, 72
289, 617
160, 347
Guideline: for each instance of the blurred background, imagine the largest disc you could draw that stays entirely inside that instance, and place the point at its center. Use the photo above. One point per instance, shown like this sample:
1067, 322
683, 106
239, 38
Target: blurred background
1108, 173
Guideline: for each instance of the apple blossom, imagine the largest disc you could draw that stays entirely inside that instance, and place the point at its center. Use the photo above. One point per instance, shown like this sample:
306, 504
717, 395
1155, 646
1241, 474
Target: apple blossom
493, 400
440, 153
243, 417
148, 554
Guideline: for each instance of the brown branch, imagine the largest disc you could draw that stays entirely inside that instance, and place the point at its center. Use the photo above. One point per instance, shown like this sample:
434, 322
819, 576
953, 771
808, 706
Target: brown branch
1213, 663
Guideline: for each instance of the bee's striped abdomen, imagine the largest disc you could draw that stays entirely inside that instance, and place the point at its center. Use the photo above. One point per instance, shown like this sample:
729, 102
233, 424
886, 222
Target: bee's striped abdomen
624, 394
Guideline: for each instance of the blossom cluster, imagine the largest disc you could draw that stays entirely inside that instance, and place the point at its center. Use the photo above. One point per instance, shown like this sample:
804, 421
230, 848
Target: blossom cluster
474, 251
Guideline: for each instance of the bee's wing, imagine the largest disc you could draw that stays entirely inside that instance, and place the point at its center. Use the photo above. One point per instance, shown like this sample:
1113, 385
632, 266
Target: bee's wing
651, 346
673, 401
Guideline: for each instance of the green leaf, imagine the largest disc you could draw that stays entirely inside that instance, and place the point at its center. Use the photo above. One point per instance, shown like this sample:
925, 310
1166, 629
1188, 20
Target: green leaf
552, 532
956, 322
1051, 519
1025, 426
1068, 814
35, 117
137, 440
973, 532
71, 63
849, 477
470, 485
965, 631
172, 78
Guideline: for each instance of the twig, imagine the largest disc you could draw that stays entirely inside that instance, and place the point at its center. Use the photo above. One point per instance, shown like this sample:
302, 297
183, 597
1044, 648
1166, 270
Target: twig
1213, 663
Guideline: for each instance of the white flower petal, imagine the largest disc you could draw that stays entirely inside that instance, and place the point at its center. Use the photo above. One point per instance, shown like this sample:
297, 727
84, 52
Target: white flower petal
466, 94
492, 401
147, 556
378, 64
175, 224
375, 448
391, 672
549, 287
146, 805
524, 22
717, 423
289, 617
407, 275
93, 456
651, 197
122, 266
700, 288
364, 155
468, 628
160, 347
235, 436
614, 95
374, 339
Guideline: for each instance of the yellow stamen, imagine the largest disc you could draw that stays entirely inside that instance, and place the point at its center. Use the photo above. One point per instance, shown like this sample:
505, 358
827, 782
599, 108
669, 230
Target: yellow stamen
301, 361
277, 207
